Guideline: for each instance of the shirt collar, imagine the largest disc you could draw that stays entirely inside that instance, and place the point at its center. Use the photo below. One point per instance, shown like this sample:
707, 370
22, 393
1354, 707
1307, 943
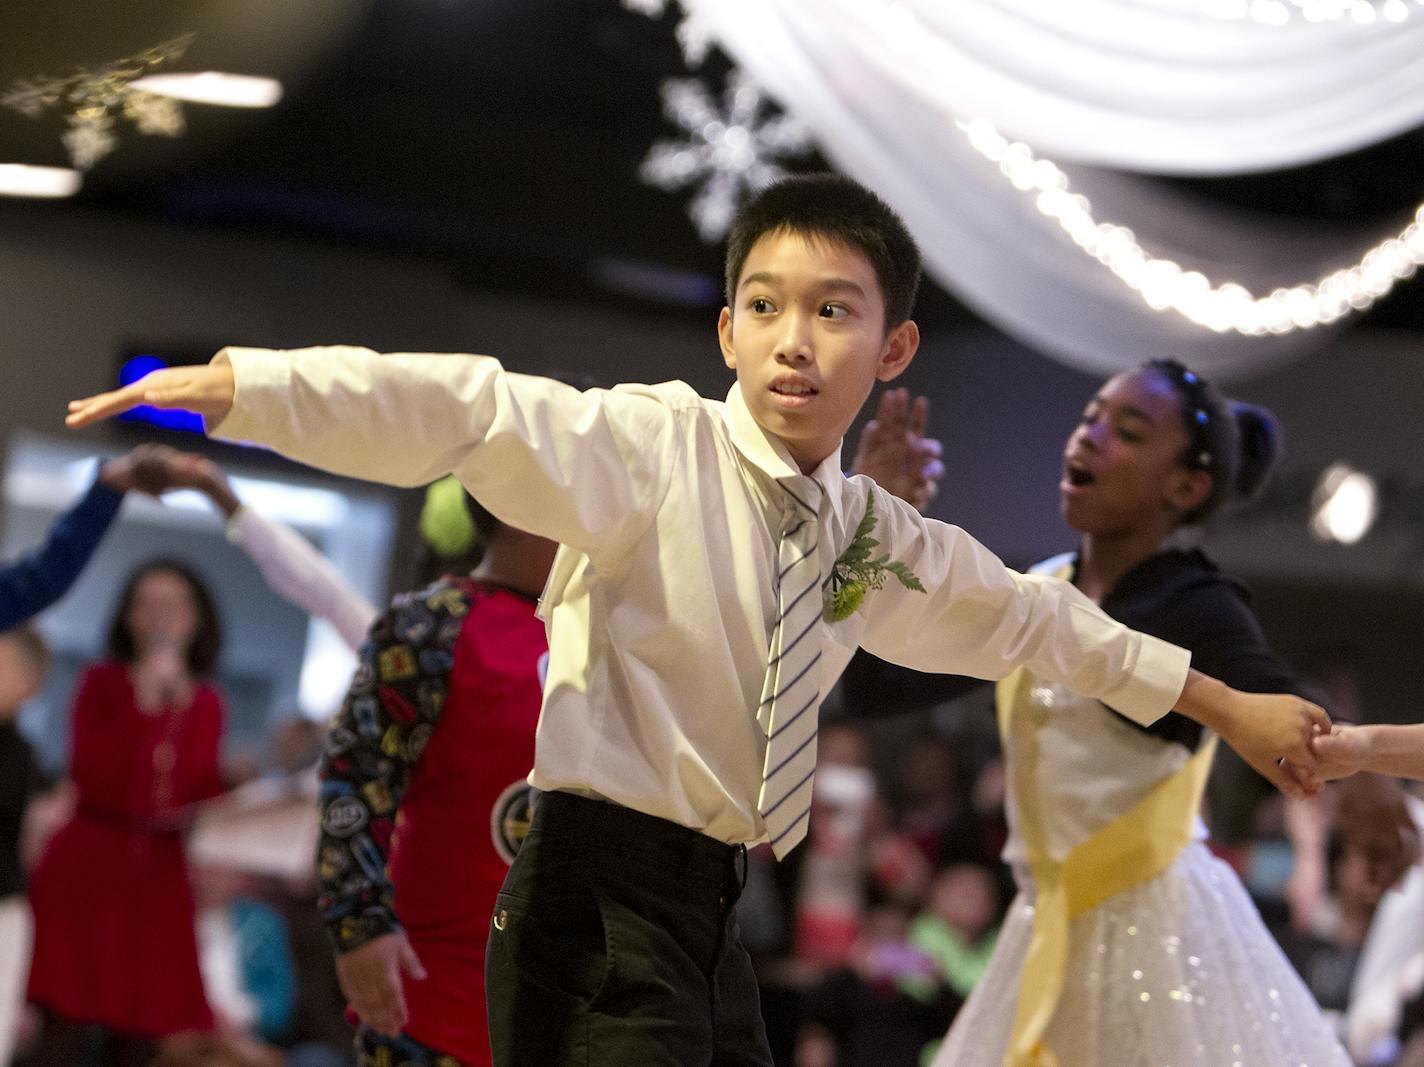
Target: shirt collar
769, 454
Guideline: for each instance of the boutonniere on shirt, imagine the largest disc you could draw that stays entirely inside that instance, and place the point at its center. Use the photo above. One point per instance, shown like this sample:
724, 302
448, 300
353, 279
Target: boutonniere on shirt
855, 571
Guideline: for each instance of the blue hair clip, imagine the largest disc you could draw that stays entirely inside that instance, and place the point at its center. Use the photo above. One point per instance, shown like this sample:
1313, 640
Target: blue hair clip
1202, 416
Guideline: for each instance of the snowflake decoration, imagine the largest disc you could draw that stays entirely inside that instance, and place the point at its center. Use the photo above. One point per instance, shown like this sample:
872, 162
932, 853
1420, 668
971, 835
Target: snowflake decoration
91, 96
694, 36
694, 32
728, 152
90, 136
154, 114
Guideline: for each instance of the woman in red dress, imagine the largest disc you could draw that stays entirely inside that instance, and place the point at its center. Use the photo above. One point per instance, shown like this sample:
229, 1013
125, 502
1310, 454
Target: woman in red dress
115, 949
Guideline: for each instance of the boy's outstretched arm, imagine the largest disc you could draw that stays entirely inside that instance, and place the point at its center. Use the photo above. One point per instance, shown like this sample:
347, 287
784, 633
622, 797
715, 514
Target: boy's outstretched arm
978, 618
1271, 731
585, 468
1382, 749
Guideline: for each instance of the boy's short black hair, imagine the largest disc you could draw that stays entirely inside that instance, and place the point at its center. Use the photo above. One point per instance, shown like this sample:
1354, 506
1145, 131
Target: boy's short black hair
835, 208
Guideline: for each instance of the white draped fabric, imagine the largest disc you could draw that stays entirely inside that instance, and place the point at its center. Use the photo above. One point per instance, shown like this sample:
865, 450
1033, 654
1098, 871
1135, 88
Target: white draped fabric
1150, 85
1156, 86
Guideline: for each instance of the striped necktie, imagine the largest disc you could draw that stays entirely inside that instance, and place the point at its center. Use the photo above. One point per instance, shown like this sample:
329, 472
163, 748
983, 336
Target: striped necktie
791, 695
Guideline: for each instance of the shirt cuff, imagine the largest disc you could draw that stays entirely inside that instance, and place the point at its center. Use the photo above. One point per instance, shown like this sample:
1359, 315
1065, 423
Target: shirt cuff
256, 372
233, 530
356, 930
101, 503
1152, 689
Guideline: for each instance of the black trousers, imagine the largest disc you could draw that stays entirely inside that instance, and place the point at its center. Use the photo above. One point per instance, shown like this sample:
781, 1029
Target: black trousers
615, 944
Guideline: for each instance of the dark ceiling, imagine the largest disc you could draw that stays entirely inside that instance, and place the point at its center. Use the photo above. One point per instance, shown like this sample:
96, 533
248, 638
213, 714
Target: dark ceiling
501, 136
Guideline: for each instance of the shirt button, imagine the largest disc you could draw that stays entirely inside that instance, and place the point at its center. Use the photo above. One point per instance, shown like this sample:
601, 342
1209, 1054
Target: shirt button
501, 919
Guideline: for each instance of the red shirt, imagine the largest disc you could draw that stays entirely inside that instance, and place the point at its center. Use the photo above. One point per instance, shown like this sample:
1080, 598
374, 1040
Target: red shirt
430, 753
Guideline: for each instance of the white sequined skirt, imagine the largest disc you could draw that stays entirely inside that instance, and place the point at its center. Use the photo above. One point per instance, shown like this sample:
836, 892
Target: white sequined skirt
1177, 972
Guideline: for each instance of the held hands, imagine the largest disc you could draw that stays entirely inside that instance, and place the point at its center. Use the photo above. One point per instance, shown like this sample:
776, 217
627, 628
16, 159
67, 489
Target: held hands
207, 389
370, 978
1272, 732
192, 471
894, 451
147, 469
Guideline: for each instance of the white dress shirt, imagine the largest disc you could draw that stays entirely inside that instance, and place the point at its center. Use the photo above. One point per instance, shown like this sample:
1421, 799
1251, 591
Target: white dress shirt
660, 603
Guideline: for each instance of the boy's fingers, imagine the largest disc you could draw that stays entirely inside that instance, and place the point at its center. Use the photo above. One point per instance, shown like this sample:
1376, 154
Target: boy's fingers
101, 406
892, 413
884, 409
920, 416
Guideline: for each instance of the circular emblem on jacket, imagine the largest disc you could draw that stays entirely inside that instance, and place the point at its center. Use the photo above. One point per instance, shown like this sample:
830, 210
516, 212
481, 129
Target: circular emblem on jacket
509, 819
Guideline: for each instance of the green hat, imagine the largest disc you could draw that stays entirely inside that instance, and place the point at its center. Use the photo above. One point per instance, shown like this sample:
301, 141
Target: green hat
445, 521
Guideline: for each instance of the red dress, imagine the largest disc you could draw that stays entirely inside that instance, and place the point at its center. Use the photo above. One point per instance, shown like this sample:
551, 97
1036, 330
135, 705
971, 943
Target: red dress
112, 901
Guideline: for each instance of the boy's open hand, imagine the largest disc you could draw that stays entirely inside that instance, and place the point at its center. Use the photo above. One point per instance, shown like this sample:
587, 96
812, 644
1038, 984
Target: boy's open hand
207, 389
894, 451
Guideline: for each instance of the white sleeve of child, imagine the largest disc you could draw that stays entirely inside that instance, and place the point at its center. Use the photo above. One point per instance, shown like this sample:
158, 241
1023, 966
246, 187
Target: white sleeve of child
587, 469
299, 573
979, 618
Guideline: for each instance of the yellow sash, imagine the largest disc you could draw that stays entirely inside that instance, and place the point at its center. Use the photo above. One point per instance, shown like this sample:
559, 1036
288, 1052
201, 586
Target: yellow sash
1132, 849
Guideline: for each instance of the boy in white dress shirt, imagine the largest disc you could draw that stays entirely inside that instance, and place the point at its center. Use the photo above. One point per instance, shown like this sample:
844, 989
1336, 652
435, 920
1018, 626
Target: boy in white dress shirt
717, 572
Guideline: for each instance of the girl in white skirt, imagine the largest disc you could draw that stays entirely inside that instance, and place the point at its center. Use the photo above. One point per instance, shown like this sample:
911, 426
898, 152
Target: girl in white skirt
1129, 944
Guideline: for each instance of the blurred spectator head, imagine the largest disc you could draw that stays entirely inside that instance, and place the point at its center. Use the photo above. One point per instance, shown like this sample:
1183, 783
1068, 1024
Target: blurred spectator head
843, 743
930, 771
965, 897
24, 660
883, 952
1376, 829
165, 601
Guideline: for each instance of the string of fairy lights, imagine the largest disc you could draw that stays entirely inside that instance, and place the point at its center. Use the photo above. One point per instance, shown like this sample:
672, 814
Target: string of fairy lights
1165, 285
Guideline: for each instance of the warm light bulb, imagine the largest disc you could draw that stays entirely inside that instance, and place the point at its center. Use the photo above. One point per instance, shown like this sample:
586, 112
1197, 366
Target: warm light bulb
22, 179
1344, 505
214, 87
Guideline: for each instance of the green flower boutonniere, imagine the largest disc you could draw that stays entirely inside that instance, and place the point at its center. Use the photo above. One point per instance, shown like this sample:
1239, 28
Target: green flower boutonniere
856, 572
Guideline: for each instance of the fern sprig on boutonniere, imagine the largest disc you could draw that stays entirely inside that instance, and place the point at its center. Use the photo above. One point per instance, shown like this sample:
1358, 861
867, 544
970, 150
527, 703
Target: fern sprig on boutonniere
856, 572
